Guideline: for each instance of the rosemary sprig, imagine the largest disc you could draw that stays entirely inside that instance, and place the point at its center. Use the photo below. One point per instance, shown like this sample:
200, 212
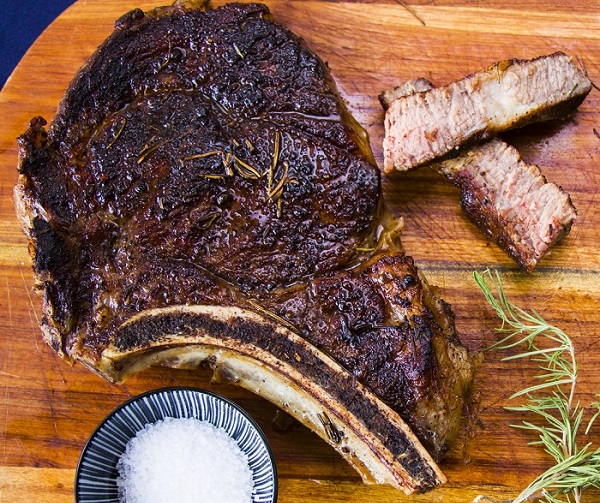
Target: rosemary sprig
552, 399
244, 169
275, 193
116, 137
203, 155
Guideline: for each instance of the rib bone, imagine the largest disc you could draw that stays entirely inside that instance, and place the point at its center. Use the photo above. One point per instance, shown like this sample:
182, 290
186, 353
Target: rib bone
266, 358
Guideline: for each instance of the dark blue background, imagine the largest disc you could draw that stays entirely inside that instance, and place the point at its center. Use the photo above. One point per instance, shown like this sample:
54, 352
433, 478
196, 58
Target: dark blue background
21, 22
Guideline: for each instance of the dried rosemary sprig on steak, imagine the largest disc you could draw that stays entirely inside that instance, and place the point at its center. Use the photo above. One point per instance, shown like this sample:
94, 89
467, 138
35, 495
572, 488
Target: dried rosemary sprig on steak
552, 399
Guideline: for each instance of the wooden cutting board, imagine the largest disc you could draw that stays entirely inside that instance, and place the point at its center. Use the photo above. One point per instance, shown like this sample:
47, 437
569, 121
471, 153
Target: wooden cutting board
48, 408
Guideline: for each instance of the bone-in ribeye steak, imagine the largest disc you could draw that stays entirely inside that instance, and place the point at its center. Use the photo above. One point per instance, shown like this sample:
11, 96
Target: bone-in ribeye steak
203, 194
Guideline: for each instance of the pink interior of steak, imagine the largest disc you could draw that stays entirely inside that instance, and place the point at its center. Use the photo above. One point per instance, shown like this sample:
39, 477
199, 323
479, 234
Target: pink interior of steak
511, 200
508, 199
425, 126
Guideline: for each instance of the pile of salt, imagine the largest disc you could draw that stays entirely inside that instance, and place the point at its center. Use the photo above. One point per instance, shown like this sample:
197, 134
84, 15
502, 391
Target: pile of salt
184, 460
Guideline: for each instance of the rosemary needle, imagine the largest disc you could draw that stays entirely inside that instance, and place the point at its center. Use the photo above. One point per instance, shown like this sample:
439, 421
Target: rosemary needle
552, 400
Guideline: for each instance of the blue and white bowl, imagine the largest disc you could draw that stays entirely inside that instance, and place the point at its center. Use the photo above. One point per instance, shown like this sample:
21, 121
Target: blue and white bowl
97, 473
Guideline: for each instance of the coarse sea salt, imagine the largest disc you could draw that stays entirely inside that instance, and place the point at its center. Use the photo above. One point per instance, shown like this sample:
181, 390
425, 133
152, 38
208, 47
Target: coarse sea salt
183, 460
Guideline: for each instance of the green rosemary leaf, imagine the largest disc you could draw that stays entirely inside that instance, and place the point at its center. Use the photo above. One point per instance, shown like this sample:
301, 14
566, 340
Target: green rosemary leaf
594, 417
559, 417
538, 387
529, 354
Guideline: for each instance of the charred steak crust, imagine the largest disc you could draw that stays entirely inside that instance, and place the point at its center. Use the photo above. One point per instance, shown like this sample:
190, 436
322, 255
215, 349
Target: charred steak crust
204, 158
211, 136
383, 323
379, 320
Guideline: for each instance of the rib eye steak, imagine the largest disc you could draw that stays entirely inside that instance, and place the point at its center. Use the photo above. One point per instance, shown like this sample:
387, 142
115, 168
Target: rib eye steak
203, 194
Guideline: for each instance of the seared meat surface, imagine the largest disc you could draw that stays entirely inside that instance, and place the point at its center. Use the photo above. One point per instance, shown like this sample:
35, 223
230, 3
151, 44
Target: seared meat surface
388, 96
202, 164
390, 328
425, 126
246, 168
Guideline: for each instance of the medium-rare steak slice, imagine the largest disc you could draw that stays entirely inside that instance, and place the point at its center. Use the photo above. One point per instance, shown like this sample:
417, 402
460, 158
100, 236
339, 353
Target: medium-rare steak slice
433, 124
508, 199
201, 195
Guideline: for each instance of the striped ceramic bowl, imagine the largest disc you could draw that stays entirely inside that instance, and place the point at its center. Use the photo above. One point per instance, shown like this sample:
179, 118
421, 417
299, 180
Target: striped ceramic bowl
97, 473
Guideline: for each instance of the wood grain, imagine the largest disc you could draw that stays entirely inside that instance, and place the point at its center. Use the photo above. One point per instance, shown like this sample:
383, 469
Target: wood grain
48, 408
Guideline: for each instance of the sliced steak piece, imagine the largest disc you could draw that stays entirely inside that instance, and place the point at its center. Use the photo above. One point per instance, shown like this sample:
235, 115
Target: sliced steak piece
201, 196
509, 200
434, 124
